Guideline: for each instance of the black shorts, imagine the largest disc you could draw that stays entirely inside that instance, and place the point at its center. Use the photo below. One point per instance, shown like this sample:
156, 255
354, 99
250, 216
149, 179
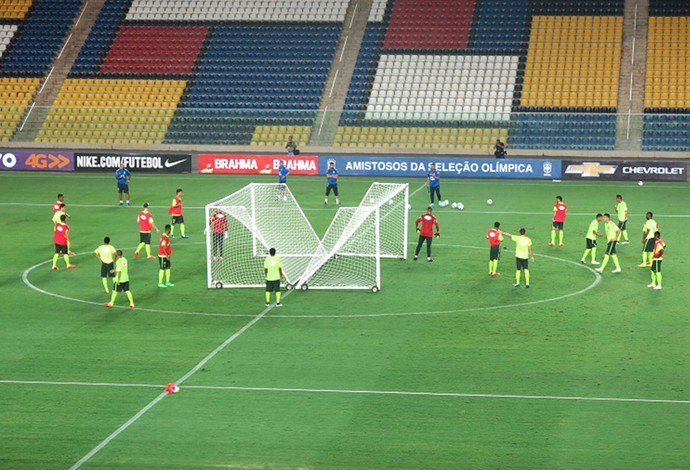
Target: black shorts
611, 247
145, 237
656, 265
106, 268
273, 286
164, 262
622, 225
177, 219
591, 243
123, 189
61, 249
558, 225
495, 252
521, 264
122, 286
333, 187
649, 246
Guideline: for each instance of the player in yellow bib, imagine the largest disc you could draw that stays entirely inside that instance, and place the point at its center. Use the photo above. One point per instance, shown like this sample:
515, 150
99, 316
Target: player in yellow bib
523, 251
121, 280
106, 255
612, 235
273, 268
621, 208
591, 239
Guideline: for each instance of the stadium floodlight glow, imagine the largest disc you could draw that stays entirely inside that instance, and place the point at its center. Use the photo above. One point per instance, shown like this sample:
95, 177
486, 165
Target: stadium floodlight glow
263, 216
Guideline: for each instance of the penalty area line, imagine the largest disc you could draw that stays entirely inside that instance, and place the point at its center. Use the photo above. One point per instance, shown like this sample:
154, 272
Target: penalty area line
505, 396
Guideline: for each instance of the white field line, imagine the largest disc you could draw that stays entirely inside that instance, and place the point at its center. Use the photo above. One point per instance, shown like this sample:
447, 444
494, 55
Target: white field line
162, 395
597, 279
570, 214
355, 392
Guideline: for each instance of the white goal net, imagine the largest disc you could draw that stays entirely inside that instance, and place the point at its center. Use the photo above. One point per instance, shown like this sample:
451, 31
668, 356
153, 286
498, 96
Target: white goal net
242, 228
258, 217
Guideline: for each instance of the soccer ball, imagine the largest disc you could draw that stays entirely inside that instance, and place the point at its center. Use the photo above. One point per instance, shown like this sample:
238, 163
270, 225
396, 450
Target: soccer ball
454, 205
489, 201
640, 183
460, 206
445, 202
409, 207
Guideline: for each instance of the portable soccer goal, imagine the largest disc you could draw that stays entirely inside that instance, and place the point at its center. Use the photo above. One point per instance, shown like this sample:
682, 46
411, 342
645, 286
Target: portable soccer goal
263, 216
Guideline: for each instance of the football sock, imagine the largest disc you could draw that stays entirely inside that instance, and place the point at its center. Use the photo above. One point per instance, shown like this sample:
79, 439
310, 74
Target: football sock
527, 277
625, 235
650, 255
495, 265
139, 247
584, 255
55, 258
517, 277
553, 236
615, 261
658, 279
653, 277
67, 260
113, 297
491, 266
172, 230
182, 230
148, 250
161, 273
337, 201
105, 283
268, 297
560, 236
605, 262
278, 297
167, 275
325, 200
644, 257
129, 296
594, 253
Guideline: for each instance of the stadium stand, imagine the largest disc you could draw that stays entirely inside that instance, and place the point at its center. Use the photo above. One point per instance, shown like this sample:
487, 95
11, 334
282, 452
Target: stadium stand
667, 92
430, 74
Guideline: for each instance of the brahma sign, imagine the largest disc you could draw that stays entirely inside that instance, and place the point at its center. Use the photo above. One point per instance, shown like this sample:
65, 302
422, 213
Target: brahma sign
257, 164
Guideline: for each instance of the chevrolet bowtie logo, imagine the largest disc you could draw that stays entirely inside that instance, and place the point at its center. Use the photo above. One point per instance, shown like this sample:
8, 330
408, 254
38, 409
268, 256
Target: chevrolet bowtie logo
591, 169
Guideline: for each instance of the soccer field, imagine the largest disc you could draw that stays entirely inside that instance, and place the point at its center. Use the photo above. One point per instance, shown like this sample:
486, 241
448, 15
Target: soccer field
445, 367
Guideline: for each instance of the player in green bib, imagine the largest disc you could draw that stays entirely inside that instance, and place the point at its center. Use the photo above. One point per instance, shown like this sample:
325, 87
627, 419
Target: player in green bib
121, 280
612, 235
591, 239
106, 255
273, 268
622, 212
650, 226
523, 251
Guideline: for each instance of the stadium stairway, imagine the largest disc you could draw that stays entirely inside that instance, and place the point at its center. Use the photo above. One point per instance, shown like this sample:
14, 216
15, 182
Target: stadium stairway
61, 67
339, 77
631, 83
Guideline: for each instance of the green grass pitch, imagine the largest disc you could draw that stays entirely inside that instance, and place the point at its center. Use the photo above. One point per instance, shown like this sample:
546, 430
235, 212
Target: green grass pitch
446, 367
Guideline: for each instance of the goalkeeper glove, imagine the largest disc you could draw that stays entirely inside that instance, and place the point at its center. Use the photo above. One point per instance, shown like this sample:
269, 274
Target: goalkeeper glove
437, 235
418, 231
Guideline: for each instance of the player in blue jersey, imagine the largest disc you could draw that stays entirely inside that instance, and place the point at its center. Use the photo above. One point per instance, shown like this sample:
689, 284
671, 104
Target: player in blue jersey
123, 176
332, 180
283, 173
433, 181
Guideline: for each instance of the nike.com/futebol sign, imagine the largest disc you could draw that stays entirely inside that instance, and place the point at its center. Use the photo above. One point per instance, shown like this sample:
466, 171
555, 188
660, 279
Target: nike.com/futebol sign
139, 162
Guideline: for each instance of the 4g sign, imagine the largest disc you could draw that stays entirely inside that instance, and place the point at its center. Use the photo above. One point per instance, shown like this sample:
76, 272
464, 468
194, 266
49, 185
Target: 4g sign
21, 160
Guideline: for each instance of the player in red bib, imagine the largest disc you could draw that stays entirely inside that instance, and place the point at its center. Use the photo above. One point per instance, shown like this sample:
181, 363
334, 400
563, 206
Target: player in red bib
176, 212
164, 252
146, 223
61, 240
426, 232
559, 212
219, 229
495, 238
657, 258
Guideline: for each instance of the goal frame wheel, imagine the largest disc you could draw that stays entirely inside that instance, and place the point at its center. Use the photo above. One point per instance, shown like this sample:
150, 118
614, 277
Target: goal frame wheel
375, 289
219, 285
304, 287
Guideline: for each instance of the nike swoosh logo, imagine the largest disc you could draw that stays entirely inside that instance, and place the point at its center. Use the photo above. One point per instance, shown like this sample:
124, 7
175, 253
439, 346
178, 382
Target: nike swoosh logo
169, 164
